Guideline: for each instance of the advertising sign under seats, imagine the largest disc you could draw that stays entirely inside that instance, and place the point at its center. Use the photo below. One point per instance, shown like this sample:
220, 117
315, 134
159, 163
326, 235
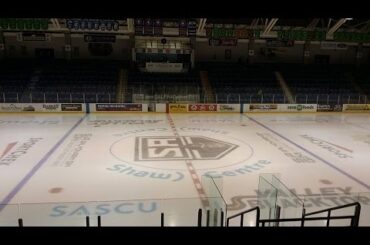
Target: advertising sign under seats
177, 108
297, 107
160, 107
356, 107
261, 107
228, 107
41, 107
202, 107
118, 107
331, 108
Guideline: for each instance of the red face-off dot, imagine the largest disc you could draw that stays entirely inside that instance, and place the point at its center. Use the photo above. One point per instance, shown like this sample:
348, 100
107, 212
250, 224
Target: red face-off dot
326, 182
56, 190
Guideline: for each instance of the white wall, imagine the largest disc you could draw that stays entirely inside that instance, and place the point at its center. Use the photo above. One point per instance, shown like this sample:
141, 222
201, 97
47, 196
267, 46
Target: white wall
336, 56
204, 52
57, 42
282, 54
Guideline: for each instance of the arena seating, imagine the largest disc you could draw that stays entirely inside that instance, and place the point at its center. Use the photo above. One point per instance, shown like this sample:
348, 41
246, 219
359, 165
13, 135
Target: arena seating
323, 84
60, 81
96, 81
14, 79
362, 78
234, 83
163, 87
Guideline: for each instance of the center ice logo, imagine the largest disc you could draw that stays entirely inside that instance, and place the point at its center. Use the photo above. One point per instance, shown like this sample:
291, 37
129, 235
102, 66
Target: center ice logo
157, 148
166, 148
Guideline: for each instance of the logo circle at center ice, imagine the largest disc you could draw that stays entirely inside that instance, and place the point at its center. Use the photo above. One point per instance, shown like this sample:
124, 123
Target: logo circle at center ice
203, 150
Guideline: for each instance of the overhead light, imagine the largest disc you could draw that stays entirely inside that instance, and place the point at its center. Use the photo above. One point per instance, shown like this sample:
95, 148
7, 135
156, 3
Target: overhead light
349, 18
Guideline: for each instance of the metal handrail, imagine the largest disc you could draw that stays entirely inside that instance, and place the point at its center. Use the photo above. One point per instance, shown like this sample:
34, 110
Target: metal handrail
241, 214
357, 204
196, 97
263, 221
354, 218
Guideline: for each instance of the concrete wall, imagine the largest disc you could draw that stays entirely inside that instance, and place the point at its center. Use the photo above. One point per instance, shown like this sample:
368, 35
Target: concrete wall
120, 48
205, 52
262, 54
26, 49
346, 56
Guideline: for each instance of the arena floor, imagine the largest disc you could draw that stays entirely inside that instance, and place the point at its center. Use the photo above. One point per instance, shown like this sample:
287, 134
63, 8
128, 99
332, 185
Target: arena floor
58, 167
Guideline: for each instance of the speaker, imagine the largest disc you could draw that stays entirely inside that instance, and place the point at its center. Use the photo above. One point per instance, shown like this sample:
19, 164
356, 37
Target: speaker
163, 40
67, 48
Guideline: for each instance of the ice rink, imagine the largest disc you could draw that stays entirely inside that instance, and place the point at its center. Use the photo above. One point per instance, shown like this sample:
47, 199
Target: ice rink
67, 166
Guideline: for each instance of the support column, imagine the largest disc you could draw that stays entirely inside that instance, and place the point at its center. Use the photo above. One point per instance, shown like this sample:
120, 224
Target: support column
67, 46
131, 47
359, 54
306, 52
251, 51
2, 46
192, 54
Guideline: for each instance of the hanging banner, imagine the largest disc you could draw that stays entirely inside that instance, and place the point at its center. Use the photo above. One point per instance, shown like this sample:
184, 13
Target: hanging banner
274, 43
93, 38
223, 42
333, 45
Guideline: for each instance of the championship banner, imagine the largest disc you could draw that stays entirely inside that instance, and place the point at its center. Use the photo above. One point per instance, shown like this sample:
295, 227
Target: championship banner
202, 107
177, 108
139, 27
158, 27
183, 28
192, 28
148, 27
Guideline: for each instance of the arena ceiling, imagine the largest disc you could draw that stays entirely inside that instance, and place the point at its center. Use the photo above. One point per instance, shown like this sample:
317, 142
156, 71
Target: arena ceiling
329, 24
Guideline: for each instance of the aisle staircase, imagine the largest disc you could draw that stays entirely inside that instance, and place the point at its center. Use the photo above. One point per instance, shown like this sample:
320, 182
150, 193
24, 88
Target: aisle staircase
284, 86
207, 88
122, 85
